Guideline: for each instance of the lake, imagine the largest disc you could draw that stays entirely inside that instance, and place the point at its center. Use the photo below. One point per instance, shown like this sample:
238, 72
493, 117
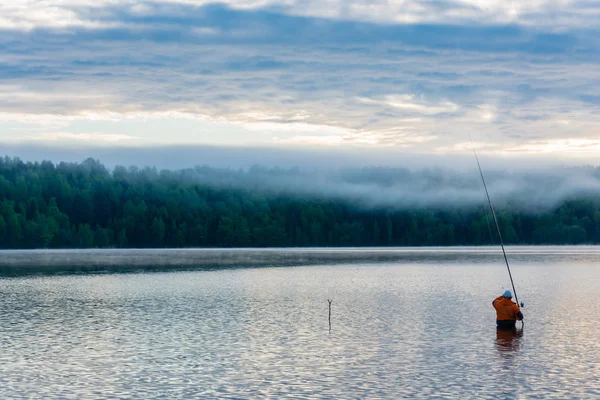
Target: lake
418, 325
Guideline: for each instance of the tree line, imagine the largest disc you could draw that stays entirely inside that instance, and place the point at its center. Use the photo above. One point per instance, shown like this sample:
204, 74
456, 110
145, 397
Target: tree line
84, 205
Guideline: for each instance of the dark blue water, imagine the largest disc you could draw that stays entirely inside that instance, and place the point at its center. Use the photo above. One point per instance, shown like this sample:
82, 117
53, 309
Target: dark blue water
419, 328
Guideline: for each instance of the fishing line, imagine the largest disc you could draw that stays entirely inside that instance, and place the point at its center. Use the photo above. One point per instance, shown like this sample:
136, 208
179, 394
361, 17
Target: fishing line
497, 225
485, 211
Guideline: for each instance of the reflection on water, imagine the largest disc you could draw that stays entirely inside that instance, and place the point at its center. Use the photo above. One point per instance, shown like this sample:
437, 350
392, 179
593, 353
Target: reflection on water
508, 340
418, 329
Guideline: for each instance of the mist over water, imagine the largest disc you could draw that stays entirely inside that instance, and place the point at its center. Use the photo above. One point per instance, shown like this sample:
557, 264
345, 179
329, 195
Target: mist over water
26, 262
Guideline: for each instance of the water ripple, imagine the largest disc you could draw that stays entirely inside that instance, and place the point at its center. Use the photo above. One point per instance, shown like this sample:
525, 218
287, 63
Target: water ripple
420, 330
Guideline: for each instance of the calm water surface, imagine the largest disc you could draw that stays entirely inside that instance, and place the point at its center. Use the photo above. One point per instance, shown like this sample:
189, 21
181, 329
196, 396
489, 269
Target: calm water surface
423, 328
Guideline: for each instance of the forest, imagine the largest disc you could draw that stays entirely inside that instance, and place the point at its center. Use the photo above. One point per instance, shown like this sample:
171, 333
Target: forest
85, 205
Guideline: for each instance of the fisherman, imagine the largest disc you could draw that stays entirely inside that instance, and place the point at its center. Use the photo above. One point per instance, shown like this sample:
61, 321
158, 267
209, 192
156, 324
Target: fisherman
507, 311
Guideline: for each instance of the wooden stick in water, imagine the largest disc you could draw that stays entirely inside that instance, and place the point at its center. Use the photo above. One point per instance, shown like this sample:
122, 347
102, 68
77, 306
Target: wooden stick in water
330, 301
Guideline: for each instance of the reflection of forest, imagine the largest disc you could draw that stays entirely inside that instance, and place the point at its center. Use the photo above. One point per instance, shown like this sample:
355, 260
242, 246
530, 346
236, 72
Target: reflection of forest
84, 205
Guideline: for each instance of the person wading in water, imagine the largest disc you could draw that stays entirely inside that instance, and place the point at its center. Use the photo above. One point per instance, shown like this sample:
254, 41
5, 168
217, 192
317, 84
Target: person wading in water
507, 311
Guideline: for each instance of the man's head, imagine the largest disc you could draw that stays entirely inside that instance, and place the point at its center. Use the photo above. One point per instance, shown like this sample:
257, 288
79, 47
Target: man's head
507, 294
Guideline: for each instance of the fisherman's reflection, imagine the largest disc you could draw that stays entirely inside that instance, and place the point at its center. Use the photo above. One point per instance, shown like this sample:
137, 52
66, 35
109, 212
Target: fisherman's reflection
508, 340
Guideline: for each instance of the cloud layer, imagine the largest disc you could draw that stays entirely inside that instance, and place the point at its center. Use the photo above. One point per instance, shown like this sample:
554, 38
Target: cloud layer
31, 14
518, 78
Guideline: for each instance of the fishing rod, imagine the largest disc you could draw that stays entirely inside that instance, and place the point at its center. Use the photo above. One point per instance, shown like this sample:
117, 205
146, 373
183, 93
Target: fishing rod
497, 227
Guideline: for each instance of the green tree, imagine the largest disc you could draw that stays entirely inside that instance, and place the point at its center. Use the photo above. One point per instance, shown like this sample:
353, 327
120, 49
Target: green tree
158, 232
47, 205
3, 231
122, 240
14, 230
102, 237
85, 236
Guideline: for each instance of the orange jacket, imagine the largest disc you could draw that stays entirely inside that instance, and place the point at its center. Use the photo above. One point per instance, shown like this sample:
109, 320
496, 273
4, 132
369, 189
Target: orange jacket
506, 309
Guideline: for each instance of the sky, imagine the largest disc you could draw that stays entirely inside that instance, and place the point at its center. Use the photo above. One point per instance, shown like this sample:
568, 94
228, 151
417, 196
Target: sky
364, 77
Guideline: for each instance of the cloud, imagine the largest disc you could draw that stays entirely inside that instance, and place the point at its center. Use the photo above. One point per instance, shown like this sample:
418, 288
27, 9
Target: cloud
87, 137
417, 77
409, 103
31, 14
564, 145
468, 147
327, 140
